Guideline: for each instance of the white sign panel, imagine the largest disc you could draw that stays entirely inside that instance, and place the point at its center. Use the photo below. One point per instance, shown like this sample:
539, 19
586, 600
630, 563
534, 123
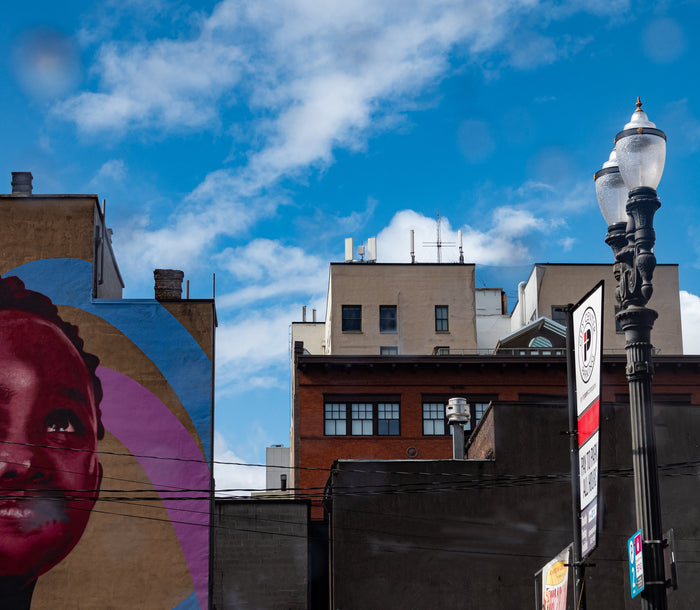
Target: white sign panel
588, 469
588, 319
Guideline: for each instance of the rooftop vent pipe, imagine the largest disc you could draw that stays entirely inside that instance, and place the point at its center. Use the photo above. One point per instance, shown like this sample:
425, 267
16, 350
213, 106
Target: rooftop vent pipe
457, 412
22, 183
168, 284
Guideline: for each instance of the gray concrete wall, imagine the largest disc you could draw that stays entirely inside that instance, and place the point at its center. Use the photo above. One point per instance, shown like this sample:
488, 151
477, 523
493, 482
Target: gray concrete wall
471, 534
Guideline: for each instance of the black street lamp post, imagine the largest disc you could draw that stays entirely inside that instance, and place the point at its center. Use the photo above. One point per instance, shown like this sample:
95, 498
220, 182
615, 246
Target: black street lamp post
626, 189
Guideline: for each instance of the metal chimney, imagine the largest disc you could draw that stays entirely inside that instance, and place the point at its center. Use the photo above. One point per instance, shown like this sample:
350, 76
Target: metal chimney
457, 412
22, 183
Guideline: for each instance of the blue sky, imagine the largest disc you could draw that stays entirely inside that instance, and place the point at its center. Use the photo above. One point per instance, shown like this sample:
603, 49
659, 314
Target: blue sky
248, 139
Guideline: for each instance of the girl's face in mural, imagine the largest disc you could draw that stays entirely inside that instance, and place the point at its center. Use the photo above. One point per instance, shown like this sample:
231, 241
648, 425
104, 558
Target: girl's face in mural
47, 412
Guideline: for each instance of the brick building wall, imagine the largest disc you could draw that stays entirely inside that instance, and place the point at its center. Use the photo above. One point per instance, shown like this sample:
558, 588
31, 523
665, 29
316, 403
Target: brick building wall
528, 380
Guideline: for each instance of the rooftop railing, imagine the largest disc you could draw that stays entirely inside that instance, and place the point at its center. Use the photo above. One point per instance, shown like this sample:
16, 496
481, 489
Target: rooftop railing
517, 351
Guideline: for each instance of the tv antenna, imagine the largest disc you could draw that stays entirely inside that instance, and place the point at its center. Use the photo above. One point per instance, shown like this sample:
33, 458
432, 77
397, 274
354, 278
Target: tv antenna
438, 243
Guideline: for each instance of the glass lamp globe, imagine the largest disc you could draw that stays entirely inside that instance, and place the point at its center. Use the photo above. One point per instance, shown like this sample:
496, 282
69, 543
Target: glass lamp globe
641, 151
611, 191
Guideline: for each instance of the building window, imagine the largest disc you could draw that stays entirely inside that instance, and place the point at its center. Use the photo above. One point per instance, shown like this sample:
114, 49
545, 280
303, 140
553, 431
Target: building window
479, 408
362, 419
352, 318
387, 318
434, 418
441, 319
388, 350
559, 314
379, 416
435, 421
388, 419
336, 419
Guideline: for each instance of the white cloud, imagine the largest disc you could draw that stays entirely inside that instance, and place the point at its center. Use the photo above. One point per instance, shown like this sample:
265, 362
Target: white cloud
690, 319
234, 475
270, 269
316, 77
166, 84
502, 243
253, 348
113, 170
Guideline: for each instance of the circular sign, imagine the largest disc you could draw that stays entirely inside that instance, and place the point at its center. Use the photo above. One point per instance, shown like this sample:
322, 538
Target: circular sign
587, 344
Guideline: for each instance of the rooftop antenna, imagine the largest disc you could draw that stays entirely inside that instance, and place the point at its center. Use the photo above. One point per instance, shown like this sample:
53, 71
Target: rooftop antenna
439, 243
348, 250
372, 249
461, 251
413, 250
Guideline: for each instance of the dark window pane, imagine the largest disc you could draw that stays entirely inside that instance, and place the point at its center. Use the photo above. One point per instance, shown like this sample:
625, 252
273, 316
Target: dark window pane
352, 317
441, 318
388, 419
387, 318
559, 314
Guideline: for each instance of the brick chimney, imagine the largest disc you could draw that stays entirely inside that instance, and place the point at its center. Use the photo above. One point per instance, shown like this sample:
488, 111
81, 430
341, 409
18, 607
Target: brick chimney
22, 183
168, 284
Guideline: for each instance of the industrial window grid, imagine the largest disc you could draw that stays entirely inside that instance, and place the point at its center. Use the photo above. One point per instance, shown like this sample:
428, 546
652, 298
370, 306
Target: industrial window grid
362, 417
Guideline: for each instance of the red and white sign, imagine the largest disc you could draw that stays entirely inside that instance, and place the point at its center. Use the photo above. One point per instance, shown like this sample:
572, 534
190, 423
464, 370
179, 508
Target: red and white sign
588, 352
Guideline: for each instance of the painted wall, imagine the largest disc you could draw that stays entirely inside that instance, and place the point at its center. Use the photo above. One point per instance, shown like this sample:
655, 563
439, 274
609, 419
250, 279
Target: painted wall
146, 540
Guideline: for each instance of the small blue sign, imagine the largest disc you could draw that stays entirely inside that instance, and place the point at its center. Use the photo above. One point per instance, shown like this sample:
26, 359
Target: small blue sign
634, 552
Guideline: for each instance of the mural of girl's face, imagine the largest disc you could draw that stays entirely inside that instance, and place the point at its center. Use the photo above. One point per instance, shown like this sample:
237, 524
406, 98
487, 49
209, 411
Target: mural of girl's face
49, 471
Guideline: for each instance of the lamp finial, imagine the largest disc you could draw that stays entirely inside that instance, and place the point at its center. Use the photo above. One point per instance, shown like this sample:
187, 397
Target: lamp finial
639, 105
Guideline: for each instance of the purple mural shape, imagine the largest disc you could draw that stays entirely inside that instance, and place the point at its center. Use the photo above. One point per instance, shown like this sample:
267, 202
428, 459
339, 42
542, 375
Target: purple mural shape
172, 461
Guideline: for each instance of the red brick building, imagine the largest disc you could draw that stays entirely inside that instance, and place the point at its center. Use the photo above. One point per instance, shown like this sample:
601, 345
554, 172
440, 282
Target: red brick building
396, 404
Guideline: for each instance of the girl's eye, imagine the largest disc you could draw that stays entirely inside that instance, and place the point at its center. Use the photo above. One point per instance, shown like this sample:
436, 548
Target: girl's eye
63, 420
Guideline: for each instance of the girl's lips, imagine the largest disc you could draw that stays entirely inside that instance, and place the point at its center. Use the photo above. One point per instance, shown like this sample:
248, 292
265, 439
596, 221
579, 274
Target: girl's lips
33, 513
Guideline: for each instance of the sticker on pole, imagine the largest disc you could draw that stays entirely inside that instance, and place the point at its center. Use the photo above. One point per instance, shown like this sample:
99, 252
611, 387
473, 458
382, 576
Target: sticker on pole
634, 553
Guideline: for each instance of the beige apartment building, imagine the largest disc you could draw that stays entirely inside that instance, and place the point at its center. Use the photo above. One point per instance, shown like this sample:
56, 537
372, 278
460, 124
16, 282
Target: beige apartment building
396, 309
551, 287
